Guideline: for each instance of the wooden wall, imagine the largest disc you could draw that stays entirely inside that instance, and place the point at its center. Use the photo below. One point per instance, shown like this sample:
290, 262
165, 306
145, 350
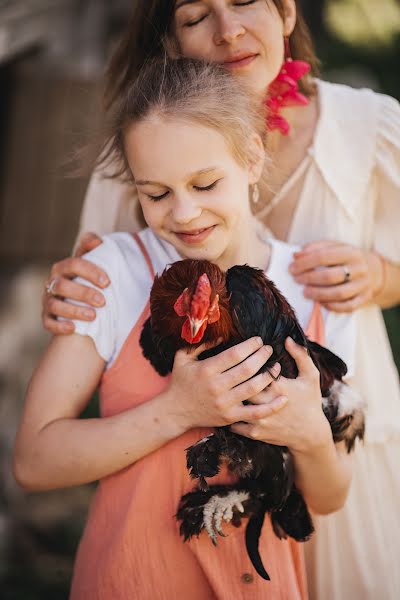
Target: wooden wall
49, 115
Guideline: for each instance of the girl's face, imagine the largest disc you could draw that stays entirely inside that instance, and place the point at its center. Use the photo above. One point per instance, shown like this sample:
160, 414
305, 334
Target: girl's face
193, 192
247, 37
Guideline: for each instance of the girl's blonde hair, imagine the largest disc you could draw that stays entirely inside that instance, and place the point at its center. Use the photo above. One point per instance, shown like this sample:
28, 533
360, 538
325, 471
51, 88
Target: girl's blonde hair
189, 90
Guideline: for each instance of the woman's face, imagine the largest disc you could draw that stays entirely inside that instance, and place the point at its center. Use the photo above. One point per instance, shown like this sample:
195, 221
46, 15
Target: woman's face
193, 192
247, 37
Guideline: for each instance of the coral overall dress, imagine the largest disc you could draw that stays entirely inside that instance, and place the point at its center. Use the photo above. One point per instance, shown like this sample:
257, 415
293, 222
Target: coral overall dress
131, 548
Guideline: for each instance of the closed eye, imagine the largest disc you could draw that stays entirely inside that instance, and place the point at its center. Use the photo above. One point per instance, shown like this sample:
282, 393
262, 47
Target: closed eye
207, 187
160, 197
200, 19
195, 22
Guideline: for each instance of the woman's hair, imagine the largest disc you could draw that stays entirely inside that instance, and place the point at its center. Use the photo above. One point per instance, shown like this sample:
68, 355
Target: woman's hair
151, 25
189, 90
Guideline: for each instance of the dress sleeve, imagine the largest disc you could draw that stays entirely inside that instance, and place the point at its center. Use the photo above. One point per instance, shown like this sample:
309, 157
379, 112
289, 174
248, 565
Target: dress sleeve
103, 330
109, 205
387, 170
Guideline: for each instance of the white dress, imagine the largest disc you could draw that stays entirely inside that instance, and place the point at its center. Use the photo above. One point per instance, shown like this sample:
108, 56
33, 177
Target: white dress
350, 192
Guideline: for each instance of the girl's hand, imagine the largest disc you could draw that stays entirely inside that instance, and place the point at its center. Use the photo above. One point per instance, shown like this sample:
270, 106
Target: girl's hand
339, 276
210, 392
59, 286
296, 418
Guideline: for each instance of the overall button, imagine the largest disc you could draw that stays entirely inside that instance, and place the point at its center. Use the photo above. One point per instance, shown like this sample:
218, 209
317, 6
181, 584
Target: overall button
247, 578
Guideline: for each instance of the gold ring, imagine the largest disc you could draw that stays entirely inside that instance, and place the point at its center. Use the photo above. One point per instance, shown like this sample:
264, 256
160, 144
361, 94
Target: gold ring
347, 274
50, 286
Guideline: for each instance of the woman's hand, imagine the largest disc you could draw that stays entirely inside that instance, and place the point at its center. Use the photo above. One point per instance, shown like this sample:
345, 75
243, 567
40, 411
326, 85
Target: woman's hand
339, 276
296, 419
59, 286
210, 392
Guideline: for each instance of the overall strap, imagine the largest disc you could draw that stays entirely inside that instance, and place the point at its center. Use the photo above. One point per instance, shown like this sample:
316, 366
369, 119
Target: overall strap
315, 329
145, 254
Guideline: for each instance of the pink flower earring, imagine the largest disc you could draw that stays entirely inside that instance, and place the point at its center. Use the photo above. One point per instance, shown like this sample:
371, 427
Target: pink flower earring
284, 91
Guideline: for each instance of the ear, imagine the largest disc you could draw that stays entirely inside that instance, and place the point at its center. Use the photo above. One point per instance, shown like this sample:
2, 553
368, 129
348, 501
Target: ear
290, 15
257, 158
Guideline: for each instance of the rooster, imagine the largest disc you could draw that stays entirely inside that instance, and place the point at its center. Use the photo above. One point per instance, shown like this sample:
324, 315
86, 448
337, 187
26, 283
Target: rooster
194, 302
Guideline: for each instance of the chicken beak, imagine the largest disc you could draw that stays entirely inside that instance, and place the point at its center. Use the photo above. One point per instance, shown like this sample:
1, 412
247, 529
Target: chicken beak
195, 325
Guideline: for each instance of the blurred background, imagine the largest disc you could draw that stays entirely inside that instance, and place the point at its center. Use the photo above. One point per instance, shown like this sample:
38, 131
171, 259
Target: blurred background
52, 59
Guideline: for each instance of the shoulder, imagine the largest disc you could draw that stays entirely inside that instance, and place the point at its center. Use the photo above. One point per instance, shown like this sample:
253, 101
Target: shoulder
347, 138
359, 111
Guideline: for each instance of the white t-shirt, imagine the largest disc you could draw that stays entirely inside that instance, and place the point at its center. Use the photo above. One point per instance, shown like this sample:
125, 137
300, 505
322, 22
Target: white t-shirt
131, 281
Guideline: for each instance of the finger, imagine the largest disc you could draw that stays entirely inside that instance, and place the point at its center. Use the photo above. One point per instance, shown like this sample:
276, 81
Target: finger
334, 255
248, 368
233, 356
328, 276
334, 293
59, 308
316, 245
79, 267
349, 305
88, 241
301, 357
77, 292
256, 390
58, 327
251, 413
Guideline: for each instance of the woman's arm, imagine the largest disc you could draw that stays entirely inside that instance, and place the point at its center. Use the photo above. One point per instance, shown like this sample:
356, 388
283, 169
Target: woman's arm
371, 278
56, 449
322, 470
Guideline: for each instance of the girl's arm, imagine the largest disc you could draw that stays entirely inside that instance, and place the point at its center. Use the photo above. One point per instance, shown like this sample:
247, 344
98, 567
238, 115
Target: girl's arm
322, 470
56, 449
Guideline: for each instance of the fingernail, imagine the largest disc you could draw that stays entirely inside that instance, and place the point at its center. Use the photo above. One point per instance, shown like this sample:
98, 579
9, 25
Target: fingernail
268, 349
89, 314
276, 369
259, 341
280, 401
103, 280
98, 299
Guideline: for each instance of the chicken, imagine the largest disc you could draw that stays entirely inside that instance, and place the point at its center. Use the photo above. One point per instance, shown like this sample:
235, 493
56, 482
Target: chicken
194, 302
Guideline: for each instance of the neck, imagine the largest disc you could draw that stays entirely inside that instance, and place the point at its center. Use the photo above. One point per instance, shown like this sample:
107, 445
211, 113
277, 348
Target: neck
250, 249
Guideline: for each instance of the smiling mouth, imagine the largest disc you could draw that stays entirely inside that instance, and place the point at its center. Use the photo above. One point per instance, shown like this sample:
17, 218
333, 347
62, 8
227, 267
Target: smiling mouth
196, 235
239, 61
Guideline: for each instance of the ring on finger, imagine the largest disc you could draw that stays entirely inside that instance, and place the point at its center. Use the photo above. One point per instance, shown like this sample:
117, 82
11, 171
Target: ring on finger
347, 274
50, 285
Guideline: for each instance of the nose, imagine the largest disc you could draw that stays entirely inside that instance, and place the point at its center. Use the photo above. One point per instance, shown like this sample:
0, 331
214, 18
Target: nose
229, 28
185, 209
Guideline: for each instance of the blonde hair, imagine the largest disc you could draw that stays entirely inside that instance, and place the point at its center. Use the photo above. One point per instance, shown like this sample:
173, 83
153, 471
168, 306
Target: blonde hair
189, 90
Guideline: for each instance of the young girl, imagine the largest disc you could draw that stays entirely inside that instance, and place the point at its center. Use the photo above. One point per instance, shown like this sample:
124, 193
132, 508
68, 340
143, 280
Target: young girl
187, 133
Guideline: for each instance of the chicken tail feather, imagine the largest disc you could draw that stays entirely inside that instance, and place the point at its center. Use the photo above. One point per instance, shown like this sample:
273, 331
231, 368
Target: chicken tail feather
253, 532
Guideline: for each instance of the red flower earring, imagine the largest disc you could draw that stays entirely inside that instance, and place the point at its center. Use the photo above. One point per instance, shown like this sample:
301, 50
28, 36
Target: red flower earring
284, 91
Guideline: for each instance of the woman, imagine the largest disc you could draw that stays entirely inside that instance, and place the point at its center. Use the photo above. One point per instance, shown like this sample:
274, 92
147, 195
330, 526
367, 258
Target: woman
334, 178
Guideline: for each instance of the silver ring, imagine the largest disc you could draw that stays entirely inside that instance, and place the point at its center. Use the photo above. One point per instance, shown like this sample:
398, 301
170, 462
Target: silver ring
50, 286
347, 274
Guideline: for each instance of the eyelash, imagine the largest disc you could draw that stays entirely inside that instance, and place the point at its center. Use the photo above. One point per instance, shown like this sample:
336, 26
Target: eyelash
193, 23
206, 188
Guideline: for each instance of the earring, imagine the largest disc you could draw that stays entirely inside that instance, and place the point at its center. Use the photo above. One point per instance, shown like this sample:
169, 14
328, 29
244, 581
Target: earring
284, 91
256, 194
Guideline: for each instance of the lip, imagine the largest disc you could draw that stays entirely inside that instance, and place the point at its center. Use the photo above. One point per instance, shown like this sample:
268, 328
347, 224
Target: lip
240, 60
195, 236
